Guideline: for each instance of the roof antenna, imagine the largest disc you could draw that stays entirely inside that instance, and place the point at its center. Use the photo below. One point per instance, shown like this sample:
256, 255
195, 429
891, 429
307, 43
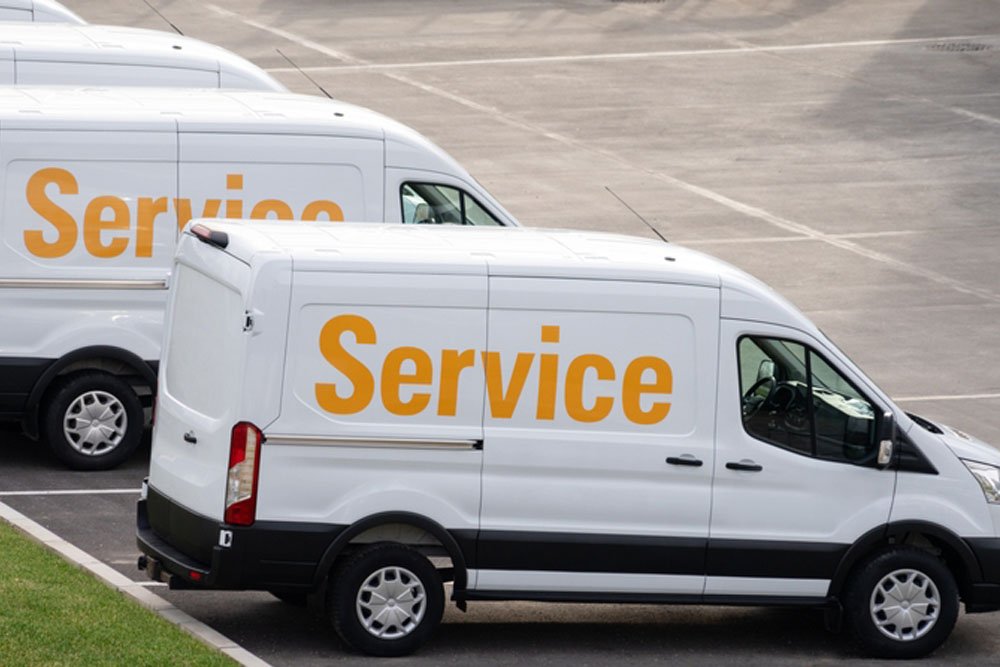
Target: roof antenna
646, 222
176, 29
311, 80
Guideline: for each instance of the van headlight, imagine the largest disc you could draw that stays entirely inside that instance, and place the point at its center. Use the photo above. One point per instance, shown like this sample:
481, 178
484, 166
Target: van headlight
988, 477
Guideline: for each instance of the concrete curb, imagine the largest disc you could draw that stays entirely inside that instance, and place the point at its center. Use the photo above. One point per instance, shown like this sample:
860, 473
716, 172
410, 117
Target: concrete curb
126, 586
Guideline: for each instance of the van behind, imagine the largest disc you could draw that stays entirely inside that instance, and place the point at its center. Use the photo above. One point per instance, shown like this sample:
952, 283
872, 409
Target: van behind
37, 11
101, 55
97, 184
360, 413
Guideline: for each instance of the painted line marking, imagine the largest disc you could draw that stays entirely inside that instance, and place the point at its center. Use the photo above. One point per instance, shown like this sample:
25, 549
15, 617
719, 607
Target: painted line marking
72, 492
787, 239
360, 65
956, 397
135, 590
705, 193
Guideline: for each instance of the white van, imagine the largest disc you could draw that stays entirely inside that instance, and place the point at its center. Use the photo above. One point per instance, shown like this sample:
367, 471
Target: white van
100, 55
560, 416
38, 11
97, 184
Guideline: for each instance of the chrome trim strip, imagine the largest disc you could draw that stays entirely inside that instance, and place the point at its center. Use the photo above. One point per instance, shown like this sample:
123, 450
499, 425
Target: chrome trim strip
48, 283
371, 443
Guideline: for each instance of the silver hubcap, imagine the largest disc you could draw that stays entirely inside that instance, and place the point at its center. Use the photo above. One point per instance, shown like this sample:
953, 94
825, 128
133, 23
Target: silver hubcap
905, 605
95, 423
391, 603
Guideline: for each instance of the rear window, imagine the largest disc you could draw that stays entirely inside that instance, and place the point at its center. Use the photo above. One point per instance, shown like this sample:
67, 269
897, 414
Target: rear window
203, 352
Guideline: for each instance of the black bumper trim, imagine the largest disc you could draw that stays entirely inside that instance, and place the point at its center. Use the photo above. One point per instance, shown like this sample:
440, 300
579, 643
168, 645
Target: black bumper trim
987, 551
18, 376
263, 556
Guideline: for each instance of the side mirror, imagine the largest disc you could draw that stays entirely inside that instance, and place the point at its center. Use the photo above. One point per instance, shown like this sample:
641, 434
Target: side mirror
886, 439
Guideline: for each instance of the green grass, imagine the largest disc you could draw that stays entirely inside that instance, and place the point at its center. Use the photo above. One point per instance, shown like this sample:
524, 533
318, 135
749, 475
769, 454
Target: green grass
52, 613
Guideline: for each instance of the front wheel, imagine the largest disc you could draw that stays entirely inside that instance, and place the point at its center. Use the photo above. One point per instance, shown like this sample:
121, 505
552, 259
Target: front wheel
93, 421
386, 600
902, 603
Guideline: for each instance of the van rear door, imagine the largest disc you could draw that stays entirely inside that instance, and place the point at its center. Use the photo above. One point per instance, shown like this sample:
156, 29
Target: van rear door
213, 326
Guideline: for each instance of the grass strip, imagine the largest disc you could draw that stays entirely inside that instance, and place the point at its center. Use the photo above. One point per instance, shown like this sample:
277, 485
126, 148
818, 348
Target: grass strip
52, 613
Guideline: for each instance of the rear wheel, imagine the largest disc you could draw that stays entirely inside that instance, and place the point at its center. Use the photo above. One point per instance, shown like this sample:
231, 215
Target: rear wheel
93, 421
902, 603
386, 600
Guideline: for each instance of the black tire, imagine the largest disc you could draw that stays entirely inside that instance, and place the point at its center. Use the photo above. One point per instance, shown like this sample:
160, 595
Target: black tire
295, 598
118, 425
870, 587
394, 566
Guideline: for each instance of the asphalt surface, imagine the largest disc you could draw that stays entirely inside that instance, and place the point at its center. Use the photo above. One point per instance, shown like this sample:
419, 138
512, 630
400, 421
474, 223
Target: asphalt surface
843, 152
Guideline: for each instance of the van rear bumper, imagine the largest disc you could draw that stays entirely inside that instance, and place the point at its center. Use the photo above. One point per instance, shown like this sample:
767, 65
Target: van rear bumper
198, 552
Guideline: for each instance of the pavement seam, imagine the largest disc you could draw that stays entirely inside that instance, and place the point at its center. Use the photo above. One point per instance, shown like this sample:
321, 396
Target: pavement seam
137, 592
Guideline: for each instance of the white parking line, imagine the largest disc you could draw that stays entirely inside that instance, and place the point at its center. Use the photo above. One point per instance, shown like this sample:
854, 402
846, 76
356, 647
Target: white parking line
588, 57
953, 397
72, 492
717, 197
741, 240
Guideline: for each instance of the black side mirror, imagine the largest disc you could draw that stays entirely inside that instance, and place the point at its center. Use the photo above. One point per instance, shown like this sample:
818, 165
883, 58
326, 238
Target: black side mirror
886, 439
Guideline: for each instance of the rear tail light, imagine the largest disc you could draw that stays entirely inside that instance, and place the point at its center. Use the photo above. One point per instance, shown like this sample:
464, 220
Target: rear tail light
244, 465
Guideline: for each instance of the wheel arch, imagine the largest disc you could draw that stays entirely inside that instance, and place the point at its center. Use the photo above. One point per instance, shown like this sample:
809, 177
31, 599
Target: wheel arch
439, 532
82, 359
958, 556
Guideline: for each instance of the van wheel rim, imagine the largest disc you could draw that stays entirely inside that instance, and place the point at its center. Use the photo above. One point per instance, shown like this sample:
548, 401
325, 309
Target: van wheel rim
95, 423
391, 603
905, 605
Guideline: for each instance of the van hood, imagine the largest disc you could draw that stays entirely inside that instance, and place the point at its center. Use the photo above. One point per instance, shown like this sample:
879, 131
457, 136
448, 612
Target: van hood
965, 446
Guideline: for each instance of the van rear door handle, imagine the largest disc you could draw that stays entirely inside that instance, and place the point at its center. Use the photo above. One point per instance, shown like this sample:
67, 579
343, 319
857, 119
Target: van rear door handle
685, 460
190, 437
744, 464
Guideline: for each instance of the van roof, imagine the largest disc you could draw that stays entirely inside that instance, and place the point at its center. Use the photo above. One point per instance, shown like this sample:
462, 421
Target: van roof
216, 111
506, 251
119, 45
465, 249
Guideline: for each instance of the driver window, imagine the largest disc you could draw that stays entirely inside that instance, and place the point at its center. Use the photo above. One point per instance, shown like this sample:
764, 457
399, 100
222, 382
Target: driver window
794, 399
435, 204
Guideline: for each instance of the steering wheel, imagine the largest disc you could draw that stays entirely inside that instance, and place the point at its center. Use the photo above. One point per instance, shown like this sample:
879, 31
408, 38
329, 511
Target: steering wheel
751, 407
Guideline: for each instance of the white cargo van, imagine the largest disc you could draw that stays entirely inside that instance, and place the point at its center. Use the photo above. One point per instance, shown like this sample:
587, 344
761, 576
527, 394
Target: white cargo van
38, 11
563, 416
97, 184
99, 55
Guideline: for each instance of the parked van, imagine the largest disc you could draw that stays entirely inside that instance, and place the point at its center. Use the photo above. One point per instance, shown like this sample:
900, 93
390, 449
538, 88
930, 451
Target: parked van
100, 55
559, 416
39, 11
97, 184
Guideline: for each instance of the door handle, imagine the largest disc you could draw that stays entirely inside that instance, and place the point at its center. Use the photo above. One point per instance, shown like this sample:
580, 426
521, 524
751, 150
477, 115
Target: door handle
685, 460
190, 437
744, 464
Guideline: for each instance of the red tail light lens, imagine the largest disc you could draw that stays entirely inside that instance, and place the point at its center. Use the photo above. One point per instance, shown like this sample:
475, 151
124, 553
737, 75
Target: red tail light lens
244, 467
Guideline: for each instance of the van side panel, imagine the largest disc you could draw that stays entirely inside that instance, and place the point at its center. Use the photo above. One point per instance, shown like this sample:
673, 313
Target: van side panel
7, 63
616, 378
11, 14
83, 243
372, 420
43, 72
280, 176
